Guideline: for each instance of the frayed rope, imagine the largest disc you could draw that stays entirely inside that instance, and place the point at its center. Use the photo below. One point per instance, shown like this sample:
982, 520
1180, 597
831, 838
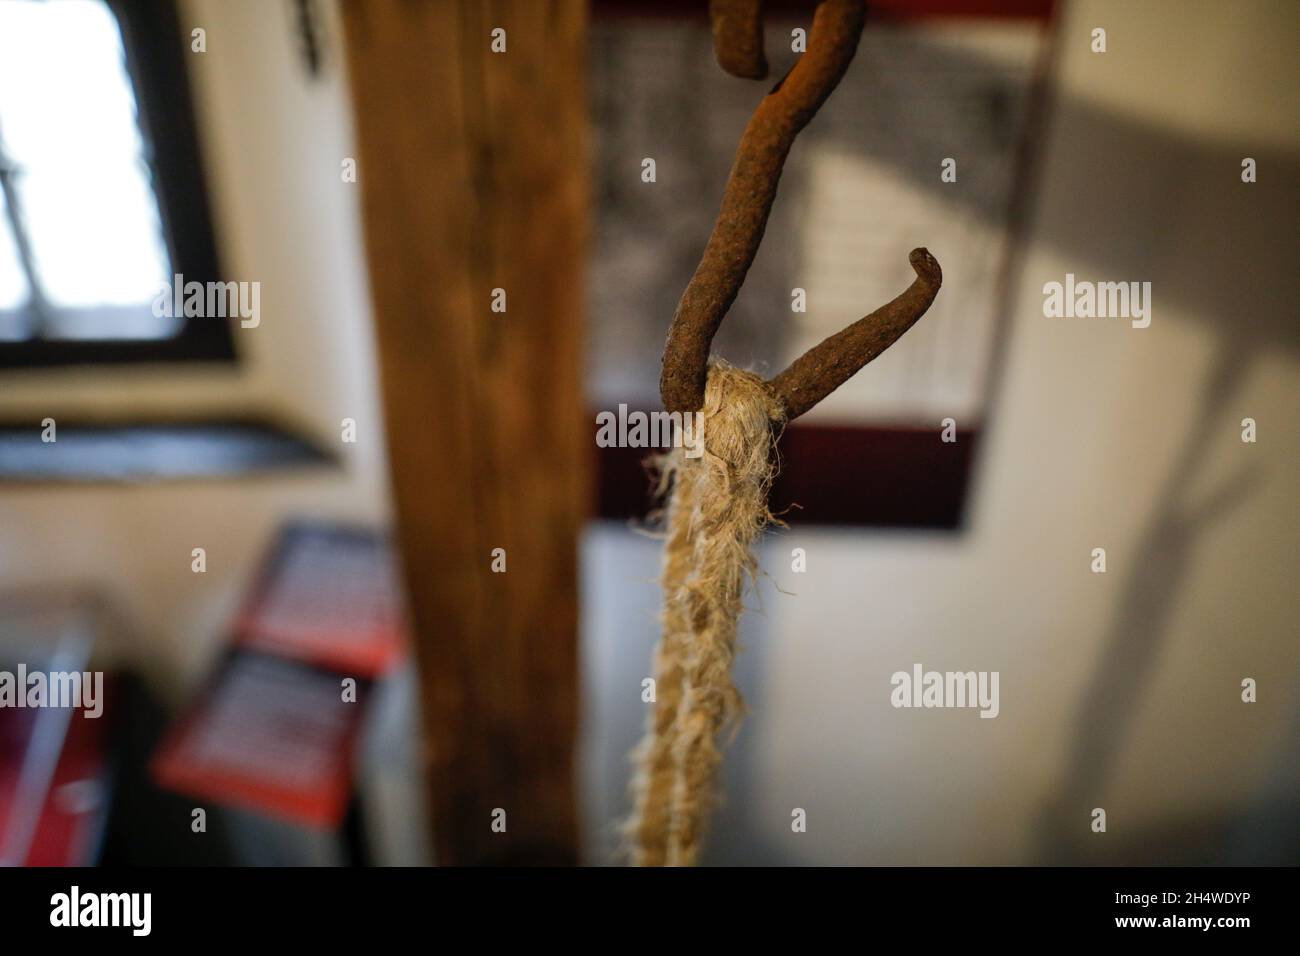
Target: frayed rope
716, 509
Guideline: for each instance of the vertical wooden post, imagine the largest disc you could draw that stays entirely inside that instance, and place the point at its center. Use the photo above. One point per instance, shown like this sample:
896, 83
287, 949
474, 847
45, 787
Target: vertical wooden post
472, 170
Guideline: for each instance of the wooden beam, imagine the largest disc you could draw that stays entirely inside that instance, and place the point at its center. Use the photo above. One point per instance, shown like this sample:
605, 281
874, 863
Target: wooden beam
472, 167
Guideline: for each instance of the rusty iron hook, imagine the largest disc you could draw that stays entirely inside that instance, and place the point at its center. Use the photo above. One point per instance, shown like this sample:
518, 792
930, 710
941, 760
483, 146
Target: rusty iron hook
747, 202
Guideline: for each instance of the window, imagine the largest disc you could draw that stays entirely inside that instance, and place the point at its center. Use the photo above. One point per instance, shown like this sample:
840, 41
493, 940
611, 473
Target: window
102, 200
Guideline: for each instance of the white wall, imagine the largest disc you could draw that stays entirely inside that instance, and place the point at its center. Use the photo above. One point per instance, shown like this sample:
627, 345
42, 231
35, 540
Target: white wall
1140, 181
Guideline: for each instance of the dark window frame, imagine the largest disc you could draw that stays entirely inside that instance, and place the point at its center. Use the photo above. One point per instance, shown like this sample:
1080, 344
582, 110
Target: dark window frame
155, 51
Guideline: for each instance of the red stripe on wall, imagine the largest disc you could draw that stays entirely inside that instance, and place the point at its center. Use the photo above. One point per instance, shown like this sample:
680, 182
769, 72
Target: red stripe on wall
831, 475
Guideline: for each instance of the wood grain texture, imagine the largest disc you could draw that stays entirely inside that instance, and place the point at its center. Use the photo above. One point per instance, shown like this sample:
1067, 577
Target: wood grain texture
472, 170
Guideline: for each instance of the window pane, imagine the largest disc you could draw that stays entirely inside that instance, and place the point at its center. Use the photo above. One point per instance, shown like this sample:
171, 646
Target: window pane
13, 282
91, 236
15, 325
68, 121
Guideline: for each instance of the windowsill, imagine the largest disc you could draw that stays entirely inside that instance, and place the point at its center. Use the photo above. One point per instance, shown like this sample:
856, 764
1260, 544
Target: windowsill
208, 342
140, 452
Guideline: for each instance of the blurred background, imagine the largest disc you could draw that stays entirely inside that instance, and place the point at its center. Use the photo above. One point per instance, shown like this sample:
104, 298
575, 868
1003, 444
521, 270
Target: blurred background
214, 526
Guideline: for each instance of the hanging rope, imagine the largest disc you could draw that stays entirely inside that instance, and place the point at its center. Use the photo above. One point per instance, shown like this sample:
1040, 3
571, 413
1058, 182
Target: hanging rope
716, 505
717, 510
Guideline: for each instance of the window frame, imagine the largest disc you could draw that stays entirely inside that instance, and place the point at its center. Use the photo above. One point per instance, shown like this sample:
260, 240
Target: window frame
155, 51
